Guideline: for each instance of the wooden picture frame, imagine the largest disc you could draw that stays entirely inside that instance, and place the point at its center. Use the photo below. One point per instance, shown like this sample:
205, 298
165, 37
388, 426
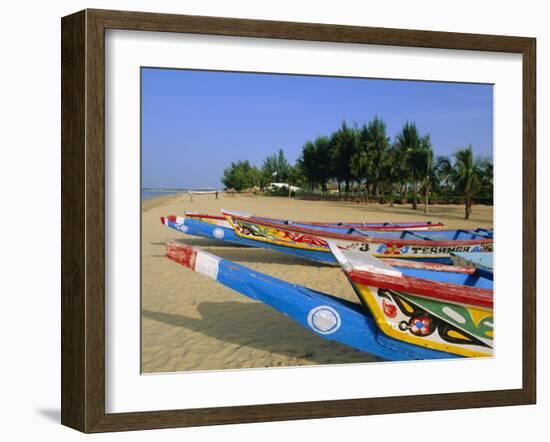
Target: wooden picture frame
83, 219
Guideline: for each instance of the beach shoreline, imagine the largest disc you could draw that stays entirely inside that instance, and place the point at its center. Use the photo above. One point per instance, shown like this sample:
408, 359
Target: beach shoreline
190, 322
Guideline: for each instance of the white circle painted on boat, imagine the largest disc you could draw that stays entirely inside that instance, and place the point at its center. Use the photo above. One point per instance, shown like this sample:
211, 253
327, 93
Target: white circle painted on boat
218, 233
183, 228
324, 319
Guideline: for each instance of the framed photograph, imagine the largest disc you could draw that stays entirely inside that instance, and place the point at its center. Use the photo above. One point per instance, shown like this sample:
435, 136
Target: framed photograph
269, 220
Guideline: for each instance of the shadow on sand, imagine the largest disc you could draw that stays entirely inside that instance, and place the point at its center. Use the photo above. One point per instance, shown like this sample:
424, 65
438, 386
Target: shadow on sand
261, 327
242, 254
200, 242
250, 255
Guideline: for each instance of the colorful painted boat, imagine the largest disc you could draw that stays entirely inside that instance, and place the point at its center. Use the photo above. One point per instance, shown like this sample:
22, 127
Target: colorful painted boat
434, 246
342, 227
445, 308
328, 317
208, 228
218, 228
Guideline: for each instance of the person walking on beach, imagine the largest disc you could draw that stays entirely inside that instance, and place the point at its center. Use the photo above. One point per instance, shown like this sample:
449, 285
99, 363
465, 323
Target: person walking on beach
216, 194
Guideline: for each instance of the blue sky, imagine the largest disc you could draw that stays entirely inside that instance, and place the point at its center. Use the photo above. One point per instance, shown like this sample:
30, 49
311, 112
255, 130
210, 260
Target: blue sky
194, 123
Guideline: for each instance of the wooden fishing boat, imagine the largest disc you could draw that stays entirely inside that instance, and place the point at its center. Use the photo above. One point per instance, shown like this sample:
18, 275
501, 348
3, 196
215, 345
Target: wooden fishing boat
342, 227
211, 229
445, 308
328, 317
215, 228
434, 246
218, 228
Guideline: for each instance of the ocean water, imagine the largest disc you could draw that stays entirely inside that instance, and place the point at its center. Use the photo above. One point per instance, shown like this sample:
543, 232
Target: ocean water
152, 193
146, 194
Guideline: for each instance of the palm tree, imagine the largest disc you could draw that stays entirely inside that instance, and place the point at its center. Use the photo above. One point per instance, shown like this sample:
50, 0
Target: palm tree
315, 162
416, 163
466, 176
419, 161
360, 166
308, 164
430, 177
444, 171
392, 170
485, 166
323, 156
398, 171
344, 144
375, 142
408, 141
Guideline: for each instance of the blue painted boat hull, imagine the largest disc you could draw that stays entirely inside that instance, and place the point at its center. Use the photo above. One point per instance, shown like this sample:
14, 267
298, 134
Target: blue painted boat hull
190, 226
351, 325
194, 227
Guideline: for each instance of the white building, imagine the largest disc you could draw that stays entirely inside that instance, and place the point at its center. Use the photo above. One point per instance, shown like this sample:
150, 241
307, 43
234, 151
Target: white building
273, 186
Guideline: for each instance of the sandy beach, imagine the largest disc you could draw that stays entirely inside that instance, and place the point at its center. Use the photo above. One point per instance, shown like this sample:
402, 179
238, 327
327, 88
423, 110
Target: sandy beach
190, 322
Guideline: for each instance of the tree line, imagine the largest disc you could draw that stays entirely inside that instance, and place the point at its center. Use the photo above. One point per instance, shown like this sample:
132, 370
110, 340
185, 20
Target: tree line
364, 160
